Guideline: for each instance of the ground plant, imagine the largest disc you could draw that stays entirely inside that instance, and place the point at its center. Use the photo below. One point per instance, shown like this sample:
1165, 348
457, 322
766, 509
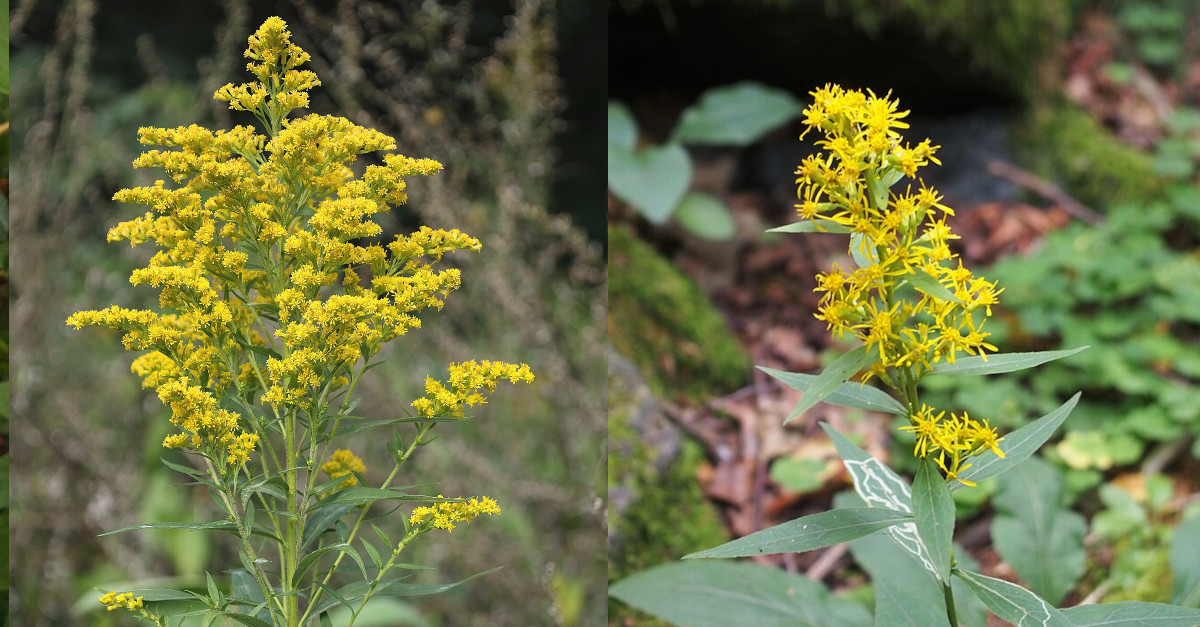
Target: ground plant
274, 304
914, 312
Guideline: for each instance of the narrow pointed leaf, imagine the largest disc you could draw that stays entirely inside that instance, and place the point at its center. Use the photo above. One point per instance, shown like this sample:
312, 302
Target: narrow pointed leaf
933, 512
249, 621
1013, 603
831, 378
820, 225
219, 525
721, 594
321, 521
309, 559
1133, 614
1018, 445
930, 286
849, 394
809, 533
1002, 362
363, 496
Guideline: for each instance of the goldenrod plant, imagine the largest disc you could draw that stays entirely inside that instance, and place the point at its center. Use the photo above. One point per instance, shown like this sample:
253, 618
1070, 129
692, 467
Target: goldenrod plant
274, 303
916, 312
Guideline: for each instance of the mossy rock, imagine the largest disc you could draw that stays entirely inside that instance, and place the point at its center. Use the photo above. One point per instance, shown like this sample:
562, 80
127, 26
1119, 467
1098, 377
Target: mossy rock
663, 322
1008, 39
1066, 144
657, 510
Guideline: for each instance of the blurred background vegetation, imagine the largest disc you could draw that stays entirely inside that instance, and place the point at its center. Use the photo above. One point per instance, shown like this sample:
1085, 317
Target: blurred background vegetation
1070, 135
505, 95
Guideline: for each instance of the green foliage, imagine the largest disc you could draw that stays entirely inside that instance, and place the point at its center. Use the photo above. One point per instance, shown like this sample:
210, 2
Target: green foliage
1066, 144
1035, 533
1148, 550
654, 179
667, 326
1158, 29
717, 594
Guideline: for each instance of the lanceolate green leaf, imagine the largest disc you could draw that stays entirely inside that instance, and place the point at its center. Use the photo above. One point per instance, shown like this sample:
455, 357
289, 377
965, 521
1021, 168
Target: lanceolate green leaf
820, 225
350, 593
1133, 614
809, 533
930, 286
933, 511
720, 594
1002, 362
362, 496
831, 378
1018, 445
851, 394
1013, 603
249, 621
218, 525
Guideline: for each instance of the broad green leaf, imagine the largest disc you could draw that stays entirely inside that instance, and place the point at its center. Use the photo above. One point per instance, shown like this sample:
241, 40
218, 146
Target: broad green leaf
855, 395
933, 512
1018, 445
219, 525
706, 216
735, 115
652, 179
819, 225
809, 533
1002, 362
1041, 539
905, 596
720, 594
1185, 562
243, 587
1013, 603
322, 520
622, 129
930, 286
880, 486
1133, 614
831, 378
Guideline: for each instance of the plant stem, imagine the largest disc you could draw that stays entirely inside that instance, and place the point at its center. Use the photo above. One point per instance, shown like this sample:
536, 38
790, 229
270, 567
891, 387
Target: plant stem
951, 613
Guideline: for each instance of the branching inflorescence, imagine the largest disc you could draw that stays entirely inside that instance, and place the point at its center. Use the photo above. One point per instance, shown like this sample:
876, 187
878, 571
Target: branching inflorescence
274, 301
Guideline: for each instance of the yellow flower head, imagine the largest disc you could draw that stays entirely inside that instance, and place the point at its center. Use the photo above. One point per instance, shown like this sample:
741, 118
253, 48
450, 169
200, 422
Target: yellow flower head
342, 463
444, 515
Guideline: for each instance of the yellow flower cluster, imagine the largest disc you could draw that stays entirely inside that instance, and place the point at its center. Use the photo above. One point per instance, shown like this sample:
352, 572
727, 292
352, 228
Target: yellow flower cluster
260, 241
342, 463
123, 600
953, 440
444, 515
467, 382
897, 238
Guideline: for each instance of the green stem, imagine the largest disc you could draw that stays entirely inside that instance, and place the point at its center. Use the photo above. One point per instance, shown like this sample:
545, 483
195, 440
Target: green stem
951, 613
